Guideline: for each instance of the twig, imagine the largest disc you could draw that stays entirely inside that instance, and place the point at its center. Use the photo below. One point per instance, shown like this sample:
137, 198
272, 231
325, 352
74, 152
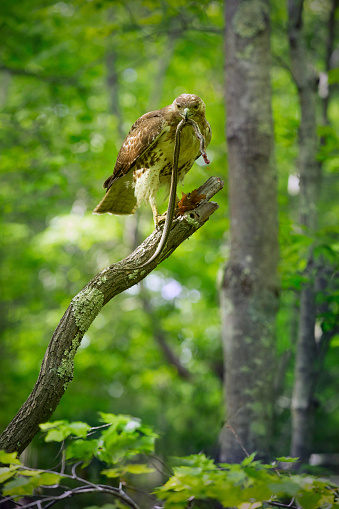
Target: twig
160, 338
152, 460
49, 501
9, 499
94, 428
280, 504
238, 439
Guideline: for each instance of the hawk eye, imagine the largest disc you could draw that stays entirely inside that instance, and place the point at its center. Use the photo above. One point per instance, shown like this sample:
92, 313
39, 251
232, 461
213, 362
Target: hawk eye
179, 106
196, 106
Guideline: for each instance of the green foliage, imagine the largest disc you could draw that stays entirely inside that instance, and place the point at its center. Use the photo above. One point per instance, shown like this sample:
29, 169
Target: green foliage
9, 458
121, 439
23, 481
248, 485
57, 431
124, 438
139, 468
28, 481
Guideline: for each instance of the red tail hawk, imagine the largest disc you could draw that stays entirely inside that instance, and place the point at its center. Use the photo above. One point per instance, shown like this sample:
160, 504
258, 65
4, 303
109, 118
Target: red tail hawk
148, 152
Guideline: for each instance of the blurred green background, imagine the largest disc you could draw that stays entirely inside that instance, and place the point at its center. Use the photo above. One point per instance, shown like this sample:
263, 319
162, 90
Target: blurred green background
74, 76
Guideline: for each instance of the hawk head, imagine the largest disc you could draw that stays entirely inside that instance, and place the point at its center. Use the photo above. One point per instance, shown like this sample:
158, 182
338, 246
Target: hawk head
188, 105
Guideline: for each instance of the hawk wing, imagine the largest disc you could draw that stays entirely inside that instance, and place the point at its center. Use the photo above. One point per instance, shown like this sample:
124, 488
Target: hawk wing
120, 197
142, 136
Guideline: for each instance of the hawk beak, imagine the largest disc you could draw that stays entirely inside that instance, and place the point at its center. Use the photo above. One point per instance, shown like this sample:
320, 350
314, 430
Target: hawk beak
186, 113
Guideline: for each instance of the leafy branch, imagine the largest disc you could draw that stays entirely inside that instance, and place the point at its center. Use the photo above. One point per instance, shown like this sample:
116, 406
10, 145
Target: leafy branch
120, 444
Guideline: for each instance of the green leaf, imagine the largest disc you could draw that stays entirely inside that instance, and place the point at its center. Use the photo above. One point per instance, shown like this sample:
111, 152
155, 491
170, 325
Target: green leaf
83, 450
30, 473
138, 469
248, 505
51, 425
18, 486
287, 459
285, 486
196, 460
56, 435
126, 437
121, 421
7, 472
248, 460
310, 500
79, 429
59, 430
49, 478
112, 472
9, 458
25, 485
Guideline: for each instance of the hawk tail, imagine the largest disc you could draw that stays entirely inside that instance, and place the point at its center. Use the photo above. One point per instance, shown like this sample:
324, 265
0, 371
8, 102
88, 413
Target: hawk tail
119, 199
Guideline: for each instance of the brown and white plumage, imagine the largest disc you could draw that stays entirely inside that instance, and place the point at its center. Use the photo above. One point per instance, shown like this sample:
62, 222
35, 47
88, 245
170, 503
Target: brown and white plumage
145, 160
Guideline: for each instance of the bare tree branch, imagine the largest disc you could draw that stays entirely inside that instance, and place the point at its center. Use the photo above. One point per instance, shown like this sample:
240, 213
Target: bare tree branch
61, 80
160, 338
57, 366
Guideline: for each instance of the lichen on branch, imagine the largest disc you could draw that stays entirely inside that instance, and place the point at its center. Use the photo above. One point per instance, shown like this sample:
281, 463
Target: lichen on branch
86, 306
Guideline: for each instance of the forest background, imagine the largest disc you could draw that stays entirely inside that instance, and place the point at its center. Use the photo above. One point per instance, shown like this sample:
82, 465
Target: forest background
74, 76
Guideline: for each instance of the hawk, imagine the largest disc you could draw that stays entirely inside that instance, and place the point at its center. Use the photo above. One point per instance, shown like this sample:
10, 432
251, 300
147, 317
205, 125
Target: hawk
145, 160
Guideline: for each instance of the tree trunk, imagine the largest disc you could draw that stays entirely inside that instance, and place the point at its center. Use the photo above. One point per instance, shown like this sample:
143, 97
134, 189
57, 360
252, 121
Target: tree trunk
309, 173
249, 293
308, 352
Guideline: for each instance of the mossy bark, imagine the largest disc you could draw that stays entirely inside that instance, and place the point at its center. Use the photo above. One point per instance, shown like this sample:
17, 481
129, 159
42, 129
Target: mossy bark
249, 293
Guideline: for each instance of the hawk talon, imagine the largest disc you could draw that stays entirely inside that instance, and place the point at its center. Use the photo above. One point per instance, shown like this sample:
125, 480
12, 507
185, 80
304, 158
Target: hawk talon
161, 219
